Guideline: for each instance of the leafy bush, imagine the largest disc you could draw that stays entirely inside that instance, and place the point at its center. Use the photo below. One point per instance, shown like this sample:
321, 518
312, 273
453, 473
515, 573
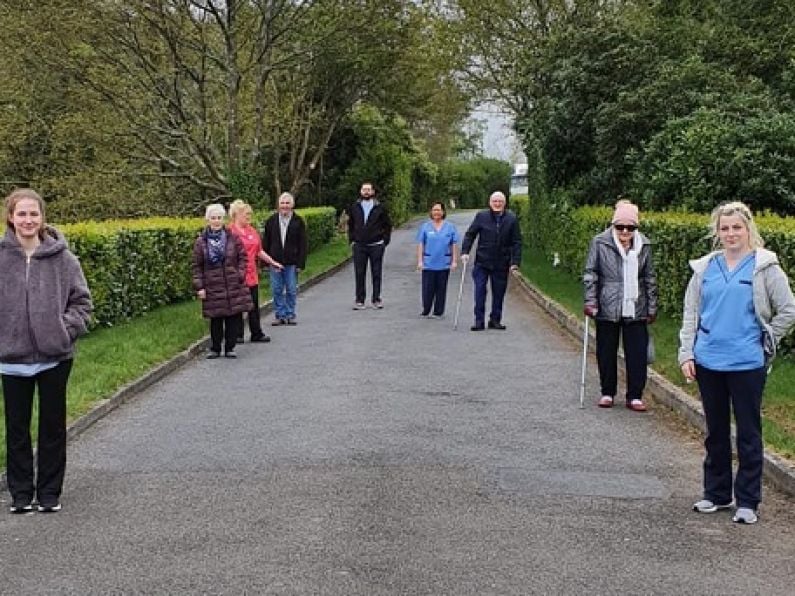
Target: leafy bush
556, 228
470, 182
134, 266
713, 156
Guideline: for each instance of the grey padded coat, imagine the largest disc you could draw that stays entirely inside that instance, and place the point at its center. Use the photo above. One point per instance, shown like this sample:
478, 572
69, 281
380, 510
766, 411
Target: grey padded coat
604, 280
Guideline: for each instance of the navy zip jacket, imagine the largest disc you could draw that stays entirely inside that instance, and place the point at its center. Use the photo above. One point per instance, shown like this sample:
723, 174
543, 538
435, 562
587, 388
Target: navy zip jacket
499, 244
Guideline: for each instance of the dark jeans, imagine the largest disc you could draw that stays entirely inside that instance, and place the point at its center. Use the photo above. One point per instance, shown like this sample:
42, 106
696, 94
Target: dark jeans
254, 319
226, 329
499, 283
51, 449
434, 291
720, 392
635, 338
362, 253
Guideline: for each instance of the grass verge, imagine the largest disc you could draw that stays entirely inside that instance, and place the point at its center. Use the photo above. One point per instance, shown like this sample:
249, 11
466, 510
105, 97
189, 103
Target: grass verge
109, 358
778, 410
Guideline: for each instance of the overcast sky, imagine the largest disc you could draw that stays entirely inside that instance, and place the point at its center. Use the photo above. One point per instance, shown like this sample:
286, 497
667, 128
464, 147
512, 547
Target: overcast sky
499, 140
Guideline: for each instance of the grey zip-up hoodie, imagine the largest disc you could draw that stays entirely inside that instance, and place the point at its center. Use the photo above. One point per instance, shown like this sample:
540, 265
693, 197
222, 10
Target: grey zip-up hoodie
774, 304
45, 304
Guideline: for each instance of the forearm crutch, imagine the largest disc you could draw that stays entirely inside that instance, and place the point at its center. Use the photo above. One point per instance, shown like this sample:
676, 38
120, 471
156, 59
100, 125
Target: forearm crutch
460, 293
585, 337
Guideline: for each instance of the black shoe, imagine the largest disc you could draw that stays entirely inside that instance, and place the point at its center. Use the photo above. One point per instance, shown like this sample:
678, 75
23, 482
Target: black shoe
260, 339
212, 355
49, 507
277, 322
230, 354
21, 507
496, 325
477, 327
292, 322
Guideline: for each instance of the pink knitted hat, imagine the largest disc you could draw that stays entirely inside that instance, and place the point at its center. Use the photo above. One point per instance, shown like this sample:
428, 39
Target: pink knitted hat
625, 212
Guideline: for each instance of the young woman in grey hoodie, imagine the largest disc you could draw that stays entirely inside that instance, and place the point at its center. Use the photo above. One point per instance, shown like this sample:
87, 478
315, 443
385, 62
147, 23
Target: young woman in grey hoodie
738, 307
44, 306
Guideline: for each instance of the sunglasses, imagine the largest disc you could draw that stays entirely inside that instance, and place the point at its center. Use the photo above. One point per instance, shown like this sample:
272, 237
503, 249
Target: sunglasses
623, 228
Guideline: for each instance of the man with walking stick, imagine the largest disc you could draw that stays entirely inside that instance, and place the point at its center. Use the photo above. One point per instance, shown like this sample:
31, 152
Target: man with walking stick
499, 252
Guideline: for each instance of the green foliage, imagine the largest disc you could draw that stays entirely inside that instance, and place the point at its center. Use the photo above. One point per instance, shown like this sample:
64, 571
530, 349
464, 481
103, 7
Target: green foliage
559, 228
248, 184
713, 156
675, 103
144, 108
470, 182
379, 148
133, 267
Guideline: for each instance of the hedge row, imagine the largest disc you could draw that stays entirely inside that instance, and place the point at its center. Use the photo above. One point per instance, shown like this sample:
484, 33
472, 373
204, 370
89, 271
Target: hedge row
557, 229
134, 266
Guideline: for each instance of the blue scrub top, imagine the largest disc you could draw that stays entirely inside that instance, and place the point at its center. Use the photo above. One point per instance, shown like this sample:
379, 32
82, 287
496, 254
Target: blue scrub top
437, 253
729, 336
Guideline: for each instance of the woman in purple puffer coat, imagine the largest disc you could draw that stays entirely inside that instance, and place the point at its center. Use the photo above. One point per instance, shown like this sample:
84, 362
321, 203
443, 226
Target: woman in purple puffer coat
219, 274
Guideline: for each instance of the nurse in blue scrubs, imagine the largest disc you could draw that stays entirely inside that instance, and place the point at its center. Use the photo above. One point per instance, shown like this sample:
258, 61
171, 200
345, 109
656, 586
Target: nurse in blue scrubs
437, 253
738, 306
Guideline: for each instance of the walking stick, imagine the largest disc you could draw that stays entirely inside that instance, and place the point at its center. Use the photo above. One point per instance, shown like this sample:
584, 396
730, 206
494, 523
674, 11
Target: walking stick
584, 362
460, 293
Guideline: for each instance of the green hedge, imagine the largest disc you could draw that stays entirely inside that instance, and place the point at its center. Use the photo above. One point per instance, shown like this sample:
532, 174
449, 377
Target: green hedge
134, 266
554, 227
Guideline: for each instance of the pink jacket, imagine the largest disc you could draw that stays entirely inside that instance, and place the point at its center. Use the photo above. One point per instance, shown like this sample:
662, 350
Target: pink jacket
253, 245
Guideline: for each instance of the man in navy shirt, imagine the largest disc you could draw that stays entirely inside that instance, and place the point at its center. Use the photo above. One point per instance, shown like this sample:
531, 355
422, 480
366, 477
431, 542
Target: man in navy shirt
499, 251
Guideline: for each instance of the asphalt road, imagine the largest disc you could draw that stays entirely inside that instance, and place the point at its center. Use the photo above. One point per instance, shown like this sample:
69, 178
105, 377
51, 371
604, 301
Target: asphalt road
375, 452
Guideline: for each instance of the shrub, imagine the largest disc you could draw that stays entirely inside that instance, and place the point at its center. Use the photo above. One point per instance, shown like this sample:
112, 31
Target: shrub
470, 182
557, 228
134, 266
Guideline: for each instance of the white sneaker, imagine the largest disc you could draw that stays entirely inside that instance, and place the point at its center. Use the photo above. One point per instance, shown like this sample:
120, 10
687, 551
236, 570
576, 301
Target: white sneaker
745, 515
51, 508
707, 506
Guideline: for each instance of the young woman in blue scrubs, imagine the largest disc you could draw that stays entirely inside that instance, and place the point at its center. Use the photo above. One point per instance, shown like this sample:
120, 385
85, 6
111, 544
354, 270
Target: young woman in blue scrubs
738, 306
437, 253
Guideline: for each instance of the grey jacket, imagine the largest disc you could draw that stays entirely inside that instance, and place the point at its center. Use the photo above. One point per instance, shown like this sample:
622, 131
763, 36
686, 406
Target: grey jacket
604, 279
774, 304
44, 300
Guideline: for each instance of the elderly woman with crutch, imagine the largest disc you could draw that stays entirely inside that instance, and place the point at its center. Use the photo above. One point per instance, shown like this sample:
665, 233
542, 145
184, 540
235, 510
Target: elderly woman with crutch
621, 295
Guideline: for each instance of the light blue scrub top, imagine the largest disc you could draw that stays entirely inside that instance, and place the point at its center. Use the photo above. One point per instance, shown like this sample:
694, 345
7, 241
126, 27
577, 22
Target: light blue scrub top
437, 251
729, 335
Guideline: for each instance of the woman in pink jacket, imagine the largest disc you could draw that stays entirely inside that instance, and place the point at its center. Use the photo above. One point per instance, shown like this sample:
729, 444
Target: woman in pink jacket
240, 212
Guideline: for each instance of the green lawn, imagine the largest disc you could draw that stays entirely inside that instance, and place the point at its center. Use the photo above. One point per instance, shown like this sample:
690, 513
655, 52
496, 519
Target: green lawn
109, 358
779, 403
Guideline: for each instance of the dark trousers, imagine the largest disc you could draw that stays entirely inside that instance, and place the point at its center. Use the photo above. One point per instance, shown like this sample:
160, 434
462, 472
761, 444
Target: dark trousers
226, 329
635, 338
51, 449
499, 283
720, 392
362, 253
254, 318
434, 291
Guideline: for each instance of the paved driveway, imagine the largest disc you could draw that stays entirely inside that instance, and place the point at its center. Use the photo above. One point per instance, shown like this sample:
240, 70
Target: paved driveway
375, 452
